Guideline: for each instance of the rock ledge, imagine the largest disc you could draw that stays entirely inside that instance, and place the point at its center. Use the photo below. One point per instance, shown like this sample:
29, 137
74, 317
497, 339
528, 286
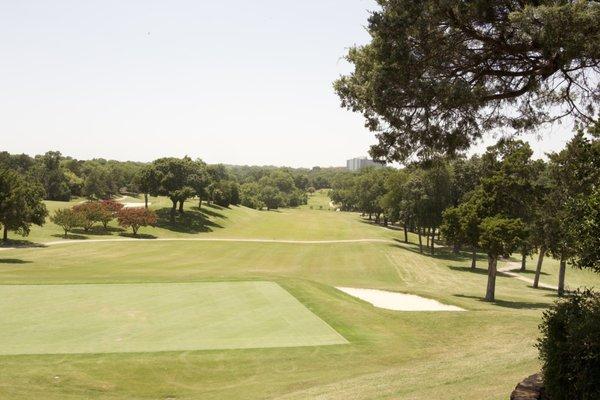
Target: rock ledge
532, 388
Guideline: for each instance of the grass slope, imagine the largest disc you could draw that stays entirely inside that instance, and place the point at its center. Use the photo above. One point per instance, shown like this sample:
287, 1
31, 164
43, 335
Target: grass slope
475, 355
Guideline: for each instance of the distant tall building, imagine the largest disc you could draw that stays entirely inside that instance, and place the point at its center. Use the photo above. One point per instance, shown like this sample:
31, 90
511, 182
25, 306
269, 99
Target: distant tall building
356, 164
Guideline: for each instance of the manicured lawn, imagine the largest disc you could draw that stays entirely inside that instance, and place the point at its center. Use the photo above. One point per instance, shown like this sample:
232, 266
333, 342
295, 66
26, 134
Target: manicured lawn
478, 354
236, 222
117, 318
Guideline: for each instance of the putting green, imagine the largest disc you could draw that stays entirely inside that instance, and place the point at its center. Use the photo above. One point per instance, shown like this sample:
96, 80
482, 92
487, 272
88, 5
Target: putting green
115, 318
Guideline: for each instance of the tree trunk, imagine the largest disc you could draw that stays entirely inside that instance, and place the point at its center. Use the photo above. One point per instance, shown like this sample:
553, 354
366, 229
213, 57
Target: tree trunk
473, 258
173, 210
385, 221
199, 202
66, 232
5, 234
405, 233
420, 241
146, 200
538, 268
523, 261
180, 206
427, 234
432, 242
370, 216
561, 276
491, 283
455, 248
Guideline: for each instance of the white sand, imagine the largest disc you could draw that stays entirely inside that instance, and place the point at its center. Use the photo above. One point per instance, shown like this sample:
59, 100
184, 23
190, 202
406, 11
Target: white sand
130, 204
398, 301
134, 205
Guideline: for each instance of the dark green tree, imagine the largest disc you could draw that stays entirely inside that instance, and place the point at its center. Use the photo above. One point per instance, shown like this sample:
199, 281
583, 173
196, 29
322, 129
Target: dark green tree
174, 176
67, 219
148, 181
271, 197
21, 204
438, 74
48, 171
499, 237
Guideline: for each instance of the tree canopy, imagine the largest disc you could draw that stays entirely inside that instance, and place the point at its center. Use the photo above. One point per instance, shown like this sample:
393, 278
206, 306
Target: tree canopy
20, 204
437, 74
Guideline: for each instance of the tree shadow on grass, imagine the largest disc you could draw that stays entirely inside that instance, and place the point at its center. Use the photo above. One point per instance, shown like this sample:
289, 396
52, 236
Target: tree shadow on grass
13, 261
479, 271
19, 243
390, 227
191, 221
71, 236
441, 253
138, 236
97, 231
521, 305
530, 272
207, 212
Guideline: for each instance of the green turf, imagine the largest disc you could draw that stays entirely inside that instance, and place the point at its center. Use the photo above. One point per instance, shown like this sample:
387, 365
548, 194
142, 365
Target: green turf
475, 355
64, 319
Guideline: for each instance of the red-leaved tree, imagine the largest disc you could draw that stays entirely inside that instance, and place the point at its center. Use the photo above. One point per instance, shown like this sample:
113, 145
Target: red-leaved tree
135, 218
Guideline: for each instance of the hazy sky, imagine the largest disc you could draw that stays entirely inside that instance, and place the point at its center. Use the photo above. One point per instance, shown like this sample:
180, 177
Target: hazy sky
239, 82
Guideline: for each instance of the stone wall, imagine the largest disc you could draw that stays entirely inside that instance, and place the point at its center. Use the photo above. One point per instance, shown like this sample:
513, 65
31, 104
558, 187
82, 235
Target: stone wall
532, 388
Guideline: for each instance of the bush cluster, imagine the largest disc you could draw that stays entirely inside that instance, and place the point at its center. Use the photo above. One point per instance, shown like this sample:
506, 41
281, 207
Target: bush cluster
570, 347
86, 215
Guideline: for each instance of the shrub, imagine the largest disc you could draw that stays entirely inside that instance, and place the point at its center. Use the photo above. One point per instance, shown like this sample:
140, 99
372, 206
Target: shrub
135, 218
112, 205
108, 211
570, 347
67, 219
91, 212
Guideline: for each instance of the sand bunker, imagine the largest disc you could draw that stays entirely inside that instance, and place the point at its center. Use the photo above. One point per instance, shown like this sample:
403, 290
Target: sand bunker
134, 205
398, 301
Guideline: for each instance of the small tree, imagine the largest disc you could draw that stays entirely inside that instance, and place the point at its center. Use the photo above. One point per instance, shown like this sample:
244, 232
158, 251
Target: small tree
135, 218
499, 237
90, 212
108, 211
148, 180
67, 219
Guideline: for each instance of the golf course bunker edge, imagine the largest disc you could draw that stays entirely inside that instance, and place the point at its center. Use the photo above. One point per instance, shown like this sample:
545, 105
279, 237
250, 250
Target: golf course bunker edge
397, 301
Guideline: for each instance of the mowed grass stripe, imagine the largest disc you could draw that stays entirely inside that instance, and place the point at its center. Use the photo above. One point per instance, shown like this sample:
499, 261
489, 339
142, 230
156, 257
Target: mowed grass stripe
122, 318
